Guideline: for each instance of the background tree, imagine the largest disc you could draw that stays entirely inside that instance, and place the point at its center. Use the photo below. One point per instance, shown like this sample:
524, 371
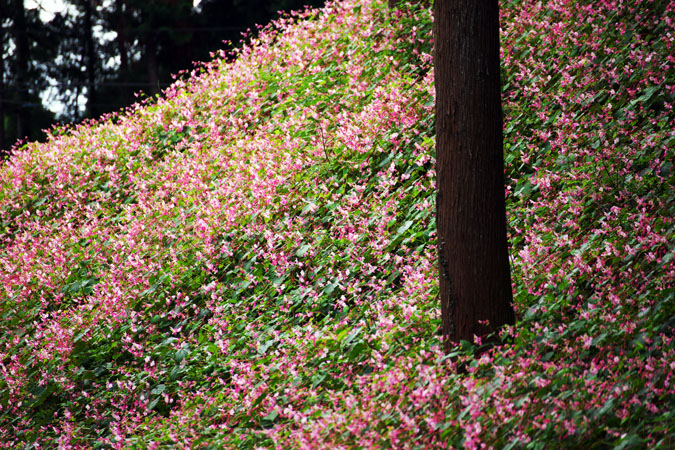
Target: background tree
156, 39
226, 20
3, 92
20, 34
89, 10
76, 72
25, 43
91, 57
475, 281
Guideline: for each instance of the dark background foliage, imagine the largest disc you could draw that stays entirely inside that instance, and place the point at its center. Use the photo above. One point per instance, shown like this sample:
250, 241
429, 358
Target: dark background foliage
94, 57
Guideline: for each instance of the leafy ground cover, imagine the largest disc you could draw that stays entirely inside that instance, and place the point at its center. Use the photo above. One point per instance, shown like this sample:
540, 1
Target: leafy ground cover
249, 261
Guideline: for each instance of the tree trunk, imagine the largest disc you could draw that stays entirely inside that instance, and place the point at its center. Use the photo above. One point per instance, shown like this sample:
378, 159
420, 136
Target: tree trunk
2, 97
475, 280
90, 58
152, 64
122, 30
21, 40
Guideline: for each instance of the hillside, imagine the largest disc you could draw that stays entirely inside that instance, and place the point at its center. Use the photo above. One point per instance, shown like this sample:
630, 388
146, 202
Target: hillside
249, 261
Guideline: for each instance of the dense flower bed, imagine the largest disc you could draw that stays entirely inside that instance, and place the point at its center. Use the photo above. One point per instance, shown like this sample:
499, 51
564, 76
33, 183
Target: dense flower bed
249, 261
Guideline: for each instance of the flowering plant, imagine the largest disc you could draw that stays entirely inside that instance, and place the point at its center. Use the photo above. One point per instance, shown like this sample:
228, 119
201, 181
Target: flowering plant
249, 261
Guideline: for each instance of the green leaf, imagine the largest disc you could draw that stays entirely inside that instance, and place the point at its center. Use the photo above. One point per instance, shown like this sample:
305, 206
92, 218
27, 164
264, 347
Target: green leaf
648, 93
403, 228
181, 354
353, 334
80, 335
342, 334
357, 351
259, 400
329, 288
269, 419
308, 207
629, 441
213, 349
262, 348
40, 394
609, 404
317, 379
175, 373
153, 403
302, 250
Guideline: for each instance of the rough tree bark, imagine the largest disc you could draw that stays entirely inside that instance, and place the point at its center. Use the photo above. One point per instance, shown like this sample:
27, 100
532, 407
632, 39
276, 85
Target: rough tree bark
475, 279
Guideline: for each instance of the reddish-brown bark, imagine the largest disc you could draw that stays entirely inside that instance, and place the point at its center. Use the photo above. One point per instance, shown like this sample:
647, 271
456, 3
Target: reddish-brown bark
475, 280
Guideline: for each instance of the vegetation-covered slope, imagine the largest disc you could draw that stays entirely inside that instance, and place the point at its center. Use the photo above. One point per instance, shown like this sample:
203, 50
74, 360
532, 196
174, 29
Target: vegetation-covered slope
250, 261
